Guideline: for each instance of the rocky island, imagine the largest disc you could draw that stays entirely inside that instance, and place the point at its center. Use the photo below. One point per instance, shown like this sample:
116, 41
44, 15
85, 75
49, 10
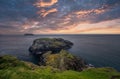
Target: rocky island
42, 45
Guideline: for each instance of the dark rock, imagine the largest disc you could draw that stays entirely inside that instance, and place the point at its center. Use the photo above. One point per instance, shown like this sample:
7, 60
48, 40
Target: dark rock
43, 45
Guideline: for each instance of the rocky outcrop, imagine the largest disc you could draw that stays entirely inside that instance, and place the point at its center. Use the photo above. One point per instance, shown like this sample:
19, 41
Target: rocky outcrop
64, 61
53, 52
43, 45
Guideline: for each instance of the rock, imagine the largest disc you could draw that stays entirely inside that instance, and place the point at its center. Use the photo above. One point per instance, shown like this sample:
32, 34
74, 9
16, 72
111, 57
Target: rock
64, 61
43, 45
53, 52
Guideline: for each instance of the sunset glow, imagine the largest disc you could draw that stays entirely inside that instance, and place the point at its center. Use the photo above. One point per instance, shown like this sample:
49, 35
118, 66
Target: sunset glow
60, 17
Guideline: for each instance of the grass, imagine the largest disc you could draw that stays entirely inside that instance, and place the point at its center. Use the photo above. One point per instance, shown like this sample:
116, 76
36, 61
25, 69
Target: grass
54, 43
30, 71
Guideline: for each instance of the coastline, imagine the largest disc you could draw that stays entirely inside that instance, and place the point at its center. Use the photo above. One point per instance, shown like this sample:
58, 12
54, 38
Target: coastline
103, 48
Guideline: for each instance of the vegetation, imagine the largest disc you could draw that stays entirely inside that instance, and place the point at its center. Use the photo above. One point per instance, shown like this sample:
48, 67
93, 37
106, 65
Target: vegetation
49, 44
12, 68
10, 61
64, 61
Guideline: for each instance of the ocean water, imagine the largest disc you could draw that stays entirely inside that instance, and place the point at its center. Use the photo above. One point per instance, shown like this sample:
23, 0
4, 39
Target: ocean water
99, 50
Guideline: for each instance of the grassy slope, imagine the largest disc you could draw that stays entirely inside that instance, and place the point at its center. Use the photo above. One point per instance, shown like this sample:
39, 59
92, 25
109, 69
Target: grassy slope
14, 69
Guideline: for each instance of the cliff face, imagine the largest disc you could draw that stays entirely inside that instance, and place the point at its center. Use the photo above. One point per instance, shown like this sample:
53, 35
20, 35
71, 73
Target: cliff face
53, 52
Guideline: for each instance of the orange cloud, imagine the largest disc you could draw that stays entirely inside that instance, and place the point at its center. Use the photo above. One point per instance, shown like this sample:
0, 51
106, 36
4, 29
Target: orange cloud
92, 29
87, 12
42, 3
29, 24
103, 31
107, 30
44, 13
106, 27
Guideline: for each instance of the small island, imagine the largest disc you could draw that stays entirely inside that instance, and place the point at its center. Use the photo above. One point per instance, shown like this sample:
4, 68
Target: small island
28, 34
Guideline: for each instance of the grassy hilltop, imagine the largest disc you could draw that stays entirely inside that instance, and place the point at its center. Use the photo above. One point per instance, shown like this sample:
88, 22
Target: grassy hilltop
12, 68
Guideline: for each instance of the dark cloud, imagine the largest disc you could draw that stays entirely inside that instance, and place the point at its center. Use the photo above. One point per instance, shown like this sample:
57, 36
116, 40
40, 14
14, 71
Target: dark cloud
30, 15
17, 10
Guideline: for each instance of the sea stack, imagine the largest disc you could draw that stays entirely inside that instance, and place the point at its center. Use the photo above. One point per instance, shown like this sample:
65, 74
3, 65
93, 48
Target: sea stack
53, 52
55, 45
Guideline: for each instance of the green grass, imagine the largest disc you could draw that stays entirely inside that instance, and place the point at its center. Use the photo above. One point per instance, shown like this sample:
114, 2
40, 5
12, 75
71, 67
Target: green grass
54, 43
30, 71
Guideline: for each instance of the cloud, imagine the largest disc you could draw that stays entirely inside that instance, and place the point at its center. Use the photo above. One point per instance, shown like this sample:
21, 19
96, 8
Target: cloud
42, 3
78, 11
44, 15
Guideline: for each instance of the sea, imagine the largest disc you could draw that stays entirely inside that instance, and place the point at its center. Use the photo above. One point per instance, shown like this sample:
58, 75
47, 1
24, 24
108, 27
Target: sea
98, 50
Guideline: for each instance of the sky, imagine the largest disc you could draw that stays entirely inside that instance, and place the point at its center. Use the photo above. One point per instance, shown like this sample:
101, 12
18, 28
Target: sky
60, 16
